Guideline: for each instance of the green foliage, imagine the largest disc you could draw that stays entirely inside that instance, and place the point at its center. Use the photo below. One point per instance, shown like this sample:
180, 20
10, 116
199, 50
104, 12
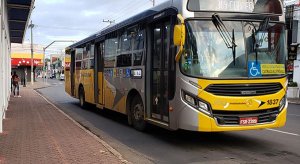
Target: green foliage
293, 84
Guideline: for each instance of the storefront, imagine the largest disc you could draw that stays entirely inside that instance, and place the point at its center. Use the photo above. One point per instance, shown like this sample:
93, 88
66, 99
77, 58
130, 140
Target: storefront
21, 61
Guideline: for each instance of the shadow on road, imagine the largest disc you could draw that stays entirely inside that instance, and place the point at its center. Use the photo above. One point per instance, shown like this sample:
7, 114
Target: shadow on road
183, 137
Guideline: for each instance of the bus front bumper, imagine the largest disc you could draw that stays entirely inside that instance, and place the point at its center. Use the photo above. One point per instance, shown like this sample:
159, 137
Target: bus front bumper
194, 120
209, 124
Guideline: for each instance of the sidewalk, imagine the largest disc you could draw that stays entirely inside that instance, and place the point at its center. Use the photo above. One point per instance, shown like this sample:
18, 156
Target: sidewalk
37, 132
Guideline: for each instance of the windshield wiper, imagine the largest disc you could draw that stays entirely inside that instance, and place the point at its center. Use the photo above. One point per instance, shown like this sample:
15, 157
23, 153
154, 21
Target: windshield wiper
225, 35
255, 45
263, 26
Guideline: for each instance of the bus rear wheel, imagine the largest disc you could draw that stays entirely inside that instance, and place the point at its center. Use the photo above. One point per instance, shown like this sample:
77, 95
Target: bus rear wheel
137, 114
82, 98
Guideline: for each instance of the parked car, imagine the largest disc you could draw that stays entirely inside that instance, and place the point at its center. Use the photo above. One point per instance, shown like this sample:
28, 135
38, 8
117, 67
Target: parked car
62, 77
52, 76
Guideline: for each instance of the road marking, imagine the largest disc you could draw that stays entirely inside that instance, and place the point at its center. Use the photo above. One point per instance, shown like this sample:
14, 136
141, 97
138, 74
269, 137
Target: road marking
294, 115
294, 134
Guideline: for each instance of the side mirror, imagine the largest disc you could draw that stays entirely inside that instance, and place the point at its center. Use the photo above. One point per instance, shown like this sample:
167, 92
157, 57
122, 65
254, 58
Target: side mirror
179, 37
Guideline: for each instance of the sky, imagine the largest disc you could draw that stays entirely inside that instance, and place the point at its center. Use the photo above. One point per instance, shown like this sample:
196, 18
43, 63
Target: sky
78, 19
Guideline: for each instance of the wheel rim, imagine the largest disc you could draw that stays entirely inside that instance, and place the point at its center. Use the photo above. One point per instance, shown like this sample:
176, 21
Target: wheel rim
138, 112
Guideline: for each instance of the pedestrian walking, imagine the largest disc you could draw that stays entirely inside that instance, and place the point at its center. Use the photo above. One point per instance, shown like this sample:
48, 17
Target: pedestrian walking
16, 79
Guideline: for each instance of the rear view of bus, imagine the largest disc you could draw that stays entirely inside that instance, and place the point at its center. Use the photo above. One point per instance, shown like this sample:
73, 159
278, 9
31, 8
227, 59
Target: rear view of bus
231, 65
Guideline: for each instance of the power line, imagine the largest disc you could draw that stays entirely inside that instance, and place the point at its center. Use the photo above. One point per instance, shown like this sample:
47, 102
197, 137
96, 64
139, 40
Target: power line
65, 28
122, 10
131, 7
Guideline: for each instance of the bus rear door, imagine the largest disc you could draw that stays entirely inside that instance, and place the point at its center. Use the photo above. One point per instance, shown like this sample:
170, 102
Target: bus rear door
99, 74
72, 71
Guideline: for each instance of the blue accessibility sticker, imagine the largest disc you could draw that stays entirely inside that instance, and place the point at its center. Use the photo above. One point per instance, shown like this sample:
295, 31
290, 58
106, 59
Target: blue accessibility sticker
128, 73
254, 69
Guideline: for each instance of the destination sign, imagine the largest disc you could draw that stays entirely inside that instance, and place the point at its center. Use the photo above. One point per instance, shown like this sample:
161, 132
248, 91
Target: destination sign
272, 69
248, 6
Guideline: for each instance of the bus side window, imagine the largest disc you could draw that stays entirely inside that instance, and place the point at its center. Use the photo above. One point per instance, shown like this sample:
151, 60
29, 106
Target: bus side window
92, 54
111, 47
137, 58
78, 58
138, 42
124, 60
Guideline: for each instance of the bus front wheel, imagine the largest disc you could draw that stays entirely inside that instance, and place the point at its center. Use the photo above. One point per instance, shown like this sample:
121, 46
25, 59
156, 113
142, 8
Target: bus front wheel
137, 114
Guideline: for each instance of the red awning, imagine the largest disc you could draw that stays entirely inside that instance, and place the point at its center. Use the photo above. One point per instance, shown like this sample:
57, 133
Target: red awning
25, 62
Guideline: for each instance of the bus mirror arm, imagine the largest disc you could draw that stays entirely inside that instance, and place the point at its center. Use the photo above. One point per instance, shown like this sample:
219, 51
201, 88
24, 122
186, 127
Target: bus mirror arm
179, 36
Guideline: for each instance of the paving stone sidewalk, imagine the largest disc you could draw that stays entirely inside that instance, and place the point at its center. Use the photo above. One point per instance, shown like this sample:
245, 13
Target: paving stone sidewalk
36, 132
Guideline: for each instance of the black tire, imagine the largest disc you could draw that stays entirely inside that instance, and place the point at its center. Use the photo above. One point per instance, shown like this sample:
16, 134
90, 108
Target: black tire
137, 114
82, 102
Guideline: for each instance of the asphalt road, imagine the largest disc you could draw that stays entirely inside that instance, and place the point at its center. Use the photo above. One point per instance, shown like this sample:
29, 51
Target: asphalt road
162, 146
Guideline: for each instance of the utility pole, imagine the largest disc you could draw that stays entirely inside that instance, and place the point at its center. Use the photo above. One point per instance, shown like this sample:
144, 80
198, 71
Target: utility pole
153, 1
31, 27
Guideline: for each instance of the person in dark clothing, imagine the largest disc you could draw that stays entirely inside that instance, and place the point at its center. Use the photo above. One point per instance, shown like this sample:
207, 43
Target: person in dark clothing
15, 81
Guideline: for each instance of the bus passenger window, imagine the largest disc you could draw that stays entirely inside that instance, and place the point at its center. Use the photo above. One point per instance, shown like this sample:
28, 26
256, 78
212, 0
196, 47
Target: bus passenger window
137, 58
78, 65
85, 64
139, 40
124, 60
78, 55
92, 64
85, 53
125, 42
111, 47
92, 51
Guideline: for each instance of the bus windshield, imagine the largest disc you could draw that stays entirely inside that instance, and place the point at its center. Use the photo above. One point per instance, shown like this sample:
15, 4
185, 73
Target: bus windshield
206, 55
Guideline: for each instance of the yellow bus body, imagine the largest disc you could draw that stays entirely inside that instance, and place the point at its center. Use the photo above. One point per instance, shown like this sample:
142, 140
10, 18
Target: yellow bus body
68, 82
251, 103
84, 78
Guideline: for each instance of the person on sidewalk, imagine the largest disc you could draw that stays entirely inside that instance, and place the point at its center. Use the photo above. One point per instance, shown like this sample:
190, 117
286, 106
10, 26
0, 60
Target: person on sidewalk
16, 80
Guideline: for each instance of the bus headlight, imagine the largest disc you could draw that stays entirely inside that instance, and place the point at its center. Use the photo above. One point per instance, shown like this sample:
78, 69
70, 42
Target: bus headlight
282, 103
195, 102
191, 100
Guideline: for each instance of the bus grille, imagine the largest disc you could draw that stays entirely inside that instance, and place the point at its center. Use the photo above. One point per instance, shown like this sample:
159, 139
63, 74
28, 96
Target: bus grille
244, 89
233, 117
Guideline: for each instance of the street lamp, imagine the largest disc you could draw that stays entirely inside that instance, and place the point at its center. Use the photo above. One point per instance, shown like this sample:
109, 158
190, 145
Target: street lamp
31, 27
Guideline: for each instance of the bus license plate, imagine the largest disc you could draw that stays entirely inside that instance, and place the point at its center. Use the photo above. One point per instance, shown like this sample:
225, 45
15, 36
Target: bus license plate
248, 120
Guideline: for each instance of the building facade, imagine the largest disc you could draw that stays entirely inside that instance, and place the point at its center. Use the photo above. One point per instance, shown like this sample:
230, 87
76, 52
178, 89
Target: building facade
292, 13
13, 23
4, 62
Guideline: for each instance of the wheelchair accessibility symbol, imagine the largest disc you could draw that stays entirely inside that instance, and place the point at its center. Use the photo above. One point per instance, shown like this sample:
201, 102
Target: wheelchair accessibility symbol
254, 69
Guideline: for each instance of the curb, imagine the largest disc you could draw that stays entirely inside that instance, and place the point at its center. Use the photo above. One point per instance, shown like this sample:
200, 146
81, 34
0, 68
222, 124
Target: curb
106, 145
293, 102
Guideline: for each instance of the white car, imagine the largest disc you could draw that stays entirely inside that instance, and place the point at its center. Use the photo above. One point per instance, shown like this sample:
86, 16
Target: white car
62, 77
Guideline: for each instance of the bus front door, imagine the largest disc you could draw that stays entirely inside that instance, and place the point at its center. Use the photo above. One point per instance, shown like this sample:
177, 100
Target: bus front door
99, 70
72, 71
160, 73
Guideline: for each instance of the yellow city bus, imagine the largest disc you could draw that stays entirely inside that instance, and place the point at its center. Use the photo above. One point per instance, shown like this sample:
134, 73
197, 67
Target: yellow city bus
198, 65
